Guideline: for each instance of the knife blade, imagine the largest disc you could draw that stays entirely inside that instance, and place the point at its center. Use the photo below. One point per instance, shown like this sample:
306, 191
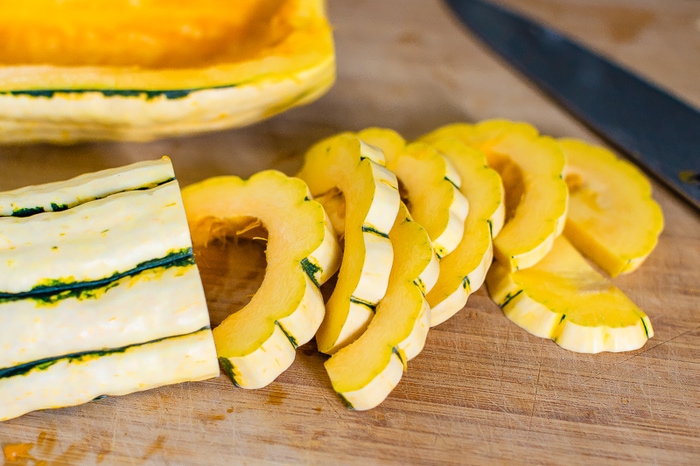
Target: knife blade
657, 130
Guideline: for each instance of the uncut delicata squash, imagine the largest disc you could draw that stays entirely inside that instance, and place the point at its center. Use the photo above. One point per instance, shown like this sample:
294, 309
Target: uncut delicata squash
123, 70
258, 342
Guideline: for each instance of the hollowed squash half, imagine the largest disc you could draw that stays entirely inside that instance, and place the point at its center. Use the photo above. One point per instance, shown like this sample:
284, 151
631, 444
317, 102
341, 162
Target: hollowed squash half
93, 69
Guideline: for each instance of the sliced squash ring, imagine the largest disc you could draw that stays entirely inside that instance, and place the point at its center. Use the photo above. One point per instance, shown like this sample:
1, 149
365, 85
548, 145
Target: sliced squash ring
366, 371
429, 185
531, 168
258, 343
463, 271
371, 198
563, 298
612, 218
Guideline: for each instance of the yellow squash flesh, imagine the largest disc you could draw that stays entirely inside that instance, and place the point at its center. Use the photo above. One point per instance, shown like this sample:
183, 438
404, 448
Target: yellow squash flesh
612, 217
565, 299
531, 168
366, 371
344, 164
463, 270
429, 186
96, 69
258, 342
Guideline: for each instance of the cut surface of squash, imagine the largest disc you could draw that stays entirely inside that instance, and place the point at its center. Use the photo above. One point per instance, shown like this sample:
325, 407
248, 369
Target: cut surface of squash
429, 186
531, 169
612, 217
258, 342
99, 294
563, 298
463, 271
72, 70
367, 370
345, 164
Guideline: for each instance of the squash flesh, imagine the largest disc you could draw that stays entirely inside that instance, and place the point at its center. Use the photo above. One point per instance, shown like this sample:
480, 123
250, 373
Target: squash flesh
258, 342
146, 34
612, 217
565, 299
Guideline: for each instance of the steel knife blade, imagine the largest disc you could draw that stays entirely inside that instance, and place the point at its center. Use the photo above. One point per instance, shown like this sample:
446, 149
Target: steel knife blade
657, 130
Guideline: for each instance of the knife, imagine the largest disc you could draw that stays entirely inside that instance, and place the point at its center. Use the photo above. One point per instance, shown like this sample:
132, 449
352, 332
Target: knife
656, 130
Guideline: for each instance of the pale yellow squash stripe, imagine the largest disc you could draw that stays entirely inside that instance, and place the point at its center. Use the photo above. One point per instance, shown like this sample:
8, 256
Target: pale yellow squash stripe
345, 164
257, 343
563, 298
155, 303
429, 185
173, 360
464, 270
87, 187
612, 218
94, 240
531, 168
366, 371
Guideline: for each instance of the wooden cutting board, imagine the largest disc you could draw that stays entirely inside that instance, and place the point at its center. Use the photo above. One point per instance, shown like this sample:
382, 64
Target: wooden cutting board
483, 390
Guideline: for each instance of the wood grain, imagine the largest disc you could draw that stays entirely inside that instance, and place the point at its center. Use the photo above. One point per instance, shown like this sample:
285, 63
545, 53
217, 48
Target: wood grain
483, 391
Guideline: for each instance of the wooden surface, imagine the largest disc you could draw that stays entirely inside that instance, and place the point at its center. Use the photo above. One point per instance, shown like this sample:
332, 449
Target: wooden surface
483, 391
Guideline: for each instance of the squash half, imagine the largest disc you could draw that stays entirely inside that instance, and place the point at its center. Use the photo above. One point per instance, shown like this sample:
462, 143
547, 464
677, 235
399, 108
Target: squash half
258, 342
123, 70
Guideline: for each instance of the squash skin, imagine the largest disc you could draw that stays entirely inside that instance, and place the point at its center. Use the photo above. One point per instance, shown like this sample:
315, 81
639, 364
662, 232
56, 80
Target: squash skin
365, 372
67, 104
612, 218
463, 271
531, 167
258, 342
564, 299
344, 163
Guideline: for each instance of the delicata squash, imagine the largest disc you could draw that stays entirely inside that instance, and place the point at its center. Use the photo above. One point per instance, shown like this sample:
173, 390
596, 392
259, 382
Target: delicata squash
99, 292
258, 342
95, 69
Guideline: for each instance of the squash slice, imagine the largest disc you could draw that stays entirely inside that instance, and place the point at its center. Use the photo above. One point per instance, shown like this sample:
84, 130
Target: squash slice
531, 168
463, 271
563, 298
82, 260
367, 370
258, 343
76, 70
345, 164
612, 217
429, 186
